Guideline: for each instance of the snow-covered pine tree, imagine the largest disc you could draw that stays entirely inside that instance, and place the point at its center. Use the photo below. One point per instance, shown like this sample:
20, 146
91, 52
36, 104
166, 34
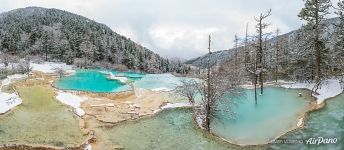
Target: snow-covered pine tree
338, 56
314, 13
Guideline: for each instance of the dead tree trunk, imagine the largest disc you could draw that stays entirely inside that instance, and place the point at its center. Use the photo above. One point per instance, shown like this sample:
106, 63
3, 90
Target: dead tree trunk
260, 27
208, 92
317, 45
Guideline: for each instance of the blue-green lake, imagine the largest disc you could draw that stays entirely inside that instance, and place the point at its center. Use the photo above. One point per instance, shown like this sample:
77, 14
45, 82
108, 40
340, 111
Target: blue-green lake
91, 80
97, 81
327, 123
169, 130
278, 110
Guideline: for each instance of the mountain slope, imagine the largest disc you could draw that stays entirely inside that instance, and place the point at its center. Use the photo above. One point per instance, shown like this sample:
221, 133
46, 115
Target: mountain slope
215, 58
288, 42
58, 35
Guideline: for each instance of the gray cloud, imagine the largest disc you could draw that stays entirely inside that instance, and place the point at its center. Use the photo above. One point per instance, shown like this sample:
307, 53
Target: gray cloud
177, 28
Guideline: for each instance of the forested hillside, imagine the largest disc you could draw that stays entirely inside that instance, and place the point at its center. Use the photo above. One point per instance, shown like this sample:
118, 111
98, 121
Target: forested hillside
57, 35
287, 55
287, 42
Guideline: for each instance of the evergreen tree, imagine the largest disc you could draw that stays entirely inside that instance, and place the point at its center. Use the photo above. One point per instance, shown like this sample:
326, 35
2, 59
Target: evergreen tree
338, 55
314, 13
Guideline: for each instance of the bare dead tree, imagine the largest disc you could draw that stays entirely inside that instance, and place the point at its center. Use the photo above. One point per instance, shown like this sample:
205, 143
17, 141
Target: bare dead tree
208, 100
24, 66
59, 71
246, 50
259, 61
277, 49
236, 46
220, 88
189, 89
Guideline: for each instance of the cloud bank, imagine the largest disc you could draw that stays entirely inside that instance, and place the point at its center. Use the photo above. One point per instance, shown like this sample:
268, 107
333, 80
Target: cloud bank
177, 28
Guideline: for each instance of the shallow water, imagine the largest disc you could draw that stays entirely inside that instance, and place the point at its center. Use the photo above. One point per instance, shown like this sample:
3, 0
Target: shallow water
277, 111
169, 130
327, 123
90, 80
96, 81
155, 81
40, 120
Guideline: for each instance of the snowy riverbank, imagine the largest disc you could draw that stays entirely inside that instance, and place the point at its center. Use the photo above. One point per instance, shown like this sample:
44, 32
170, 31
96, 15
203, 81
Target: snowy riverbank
50, 67
8, 101
11, 78
328, 89
174, 105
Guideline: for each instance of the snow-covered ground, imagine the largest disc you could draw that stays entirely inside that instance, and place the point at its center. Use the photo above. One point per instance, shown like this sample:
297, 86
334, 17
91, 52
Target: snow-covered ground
9, 66
49, 67
329, 88
299, 123
106, 105
162, 89
199, 120
12, 78
176, 105
71, 100
8, 101
45, 67
120, 79
88, 147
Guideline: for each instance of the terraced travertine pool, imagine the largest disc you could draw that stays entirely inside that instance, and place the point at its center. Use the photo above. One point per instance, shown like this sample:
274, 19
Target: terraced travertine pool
278, 111
173, 129
327, 123
40, 120
91, 80
97, 81
169, 130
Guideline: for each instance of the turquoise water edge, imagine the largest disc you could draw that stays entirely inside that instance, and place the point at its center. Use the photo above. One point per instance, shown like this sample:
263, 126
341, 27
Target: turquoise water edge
278, 111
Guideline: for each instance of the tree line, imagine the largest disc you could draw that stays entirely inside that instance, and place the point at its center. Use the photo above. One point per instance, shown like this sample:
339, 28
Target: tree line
57, 35
313, 53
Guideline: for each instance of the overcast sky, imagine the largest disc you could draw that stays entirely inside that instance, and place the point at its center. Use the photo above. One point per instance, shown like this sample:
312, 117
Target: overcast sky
177, 28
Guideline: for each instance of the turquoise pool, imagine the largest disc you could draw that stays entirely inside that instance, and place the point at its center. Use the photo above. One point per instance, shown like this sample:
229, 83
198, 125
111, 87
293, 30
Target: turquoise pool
96, 81
156, 81
90, 80
169, 130
327, 123
278, 110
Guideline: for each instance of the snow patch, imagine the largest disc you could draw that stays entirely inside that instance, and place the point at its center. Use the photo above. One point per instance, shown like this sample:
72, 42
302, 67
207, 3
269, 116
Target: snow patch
105, 72
12, 78
120, 79
199, 120
9, 101
173, 105
299, 123
71, 100
163, 89
106, 105
88, 147
156, 111
176, 105
70, 72
80, 112
329, 88
49, 67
